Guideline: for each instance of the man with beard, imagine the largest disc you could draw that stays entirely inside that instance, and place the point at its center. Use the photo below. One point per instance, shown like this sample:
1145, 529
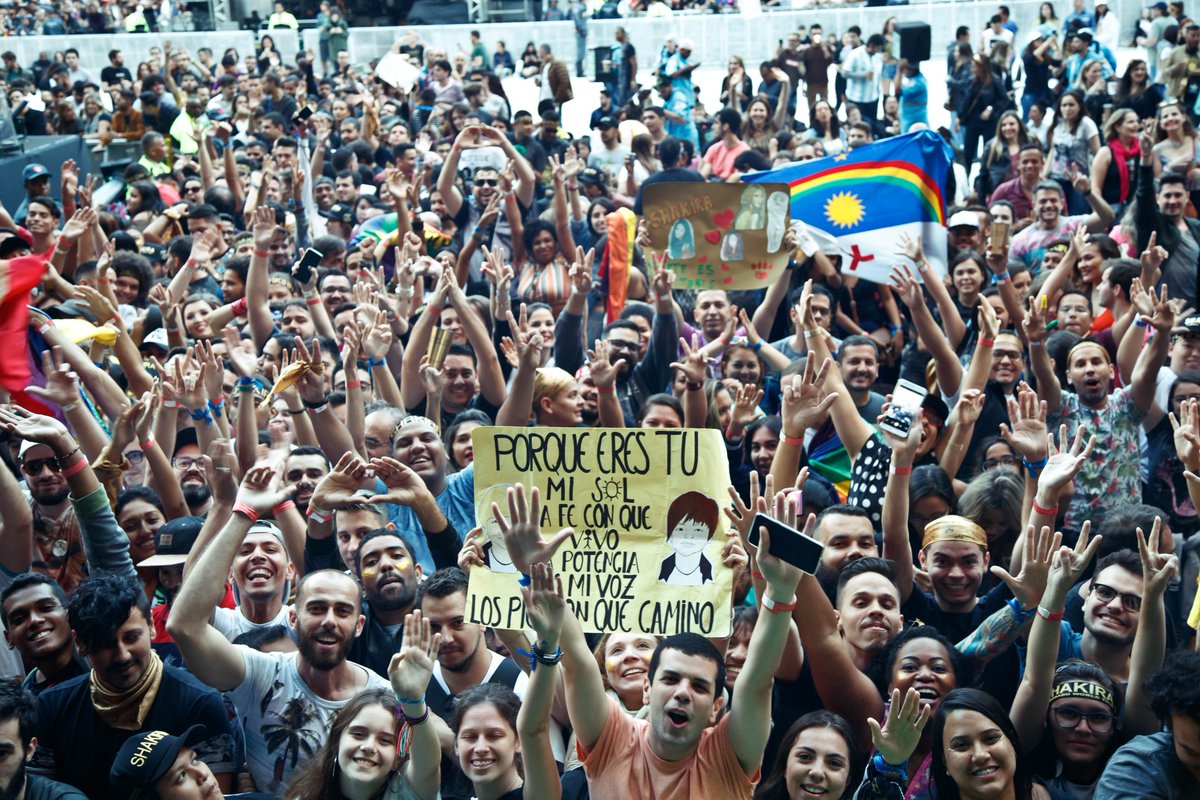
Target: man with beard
637, 378
305, 688
389, 576
18, 720
1111, 474
1019, 190
188, 463
1029, 245
57, 551
304, 467
83, 722
848, 535
33, 609
1162, 214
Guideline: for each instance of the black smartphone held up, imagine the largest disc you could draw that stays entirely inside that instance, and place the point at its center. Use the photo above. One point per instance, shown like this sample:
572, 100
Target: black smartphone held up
307, 263
793, 546
907, 398
301, 117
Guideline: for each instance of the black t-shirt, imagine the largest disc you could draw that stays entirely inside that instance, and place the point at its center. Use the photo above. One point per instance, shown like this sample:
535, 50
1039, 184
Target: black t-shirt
80, 749
114, 75
39, 788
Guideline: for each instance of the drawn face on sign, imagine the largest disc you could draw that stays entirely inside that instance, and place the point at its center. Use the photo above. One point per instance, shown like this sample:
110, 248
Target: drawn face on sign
689, 537
495, 554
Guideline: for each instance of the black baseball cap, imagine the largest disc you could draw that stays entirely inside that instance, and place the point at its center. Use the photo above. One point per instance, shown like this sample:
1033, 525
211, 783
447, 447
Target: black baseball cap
592, 176
145, 758
342, 212
173, 541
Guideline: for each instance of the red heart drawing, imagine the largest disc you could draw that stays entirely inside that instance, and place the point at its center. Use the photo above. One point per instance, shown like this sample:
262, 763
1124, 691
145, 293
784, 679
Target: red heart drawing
725, 267
703, 259
723, 219
760, 274
712, 237
728, 279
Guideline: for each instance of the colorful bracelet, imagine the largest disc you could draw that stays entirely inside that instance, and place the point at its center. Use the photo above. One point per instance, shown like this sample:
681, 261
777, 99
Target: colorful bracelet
282, 507
416, 720
1021, 613
1045, 512
524, 579
1141, 323
1034, 467
756, 575
242, 508
433, 310
375, 362
74, 468
319, 517
408, 701
201, 415
71, 406
757, 346
1047, 614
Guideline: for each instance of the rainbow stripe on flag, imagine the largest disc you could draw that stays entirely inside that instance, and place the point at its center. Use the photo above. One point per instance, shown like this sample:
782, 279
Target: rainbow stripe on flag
866, 198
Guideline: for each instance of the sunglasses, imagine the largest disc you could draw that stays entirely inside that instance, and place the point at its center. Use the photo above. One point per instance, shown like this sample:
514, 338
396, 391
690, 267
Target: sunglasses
1106, 594
36, 465
487, 182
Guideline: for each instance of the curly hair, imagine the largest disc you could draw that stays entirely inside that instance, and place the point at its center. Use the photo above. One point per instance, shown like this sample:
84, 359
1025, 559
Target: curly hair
102, 604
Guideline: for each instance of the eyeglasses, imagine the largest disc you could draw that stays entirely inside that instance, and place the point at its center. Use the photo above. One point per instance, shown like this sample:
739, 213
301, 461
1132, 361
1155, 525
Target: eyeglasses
1069, 717
36, 465
1002, 461
184, 462
493, 182
135, 456
1106, 594
617, 344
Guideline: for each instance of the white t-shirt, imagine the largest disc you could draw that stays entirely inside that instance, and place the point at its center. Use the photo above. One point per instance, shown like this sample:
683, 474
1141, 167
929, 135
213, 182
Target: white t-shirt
286, 723
233, 623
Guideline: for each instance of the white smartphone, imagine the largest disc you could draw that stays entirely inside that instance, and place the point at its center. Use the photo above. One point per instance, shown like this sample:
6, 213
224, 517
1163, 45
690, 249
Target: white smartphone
907, 398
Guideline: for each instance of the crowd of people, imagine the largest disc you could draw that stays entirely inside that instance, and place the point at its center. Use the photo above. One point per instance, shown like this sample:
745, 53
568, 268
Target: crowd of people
238, 494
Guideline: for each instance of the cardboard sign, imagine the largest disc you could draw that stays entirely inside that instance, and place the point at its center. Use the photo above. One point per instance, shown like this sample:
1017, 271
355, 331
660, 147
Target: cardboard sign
474, 159
720, 235
646, 508
395, 70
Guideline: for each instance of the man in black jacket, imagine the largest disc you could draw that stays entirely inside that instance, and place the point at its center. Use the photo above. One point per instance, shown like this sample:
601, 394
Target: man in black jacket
1162, 212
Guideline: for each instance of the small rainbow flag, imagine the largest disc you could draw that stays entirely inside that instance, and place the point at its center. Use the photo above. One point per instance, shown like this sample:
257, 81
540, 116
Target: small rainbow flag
867, 197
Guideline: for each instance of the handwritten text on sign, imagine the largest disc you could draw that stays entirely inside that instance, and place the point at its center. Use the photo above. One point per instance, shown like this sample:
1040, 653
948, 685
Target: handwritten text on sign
646, 508
720, 235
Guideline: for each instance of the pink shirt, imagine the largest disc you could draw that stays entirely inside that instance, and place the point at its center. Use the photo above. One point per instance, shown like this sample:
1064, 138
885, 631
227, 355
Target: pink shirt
621, 765
721, 158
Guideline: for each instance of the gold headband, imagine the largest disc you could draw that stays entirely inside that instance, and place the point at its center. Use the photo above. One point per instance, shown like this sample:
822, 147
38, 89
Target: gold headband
1089, 690
953, 528
413, 418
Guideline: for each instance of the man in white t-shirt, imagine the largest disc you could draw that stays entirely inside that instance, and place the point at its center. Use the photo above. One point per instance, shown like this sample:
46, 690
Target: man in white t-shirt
610, 155
995, 34
298, 691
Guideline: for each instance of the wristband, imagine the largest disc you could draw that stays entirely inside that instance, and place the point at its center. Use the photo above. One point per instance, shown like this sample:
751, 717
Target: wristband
1046, 512
757, 346
71, 406
1021, 613
375, 362
312, 301
756, 575
74, 468
282, 507
315, 404
811, 334
246, 388
216, 407
433, 310
524, 580
416, 720
321, 409
242, 508
1036, 343
893, 329
1047, 614
190, 263
148, 444
170, 404
901, 470
1000, 277
694, 386
319, 517
408, 701
885, 768
201, 414
295, 411
260, 254
775, 607
353, 384
239, 307
606, 389
987, 342
798, 441
1034, 467
1142, 323
116, 322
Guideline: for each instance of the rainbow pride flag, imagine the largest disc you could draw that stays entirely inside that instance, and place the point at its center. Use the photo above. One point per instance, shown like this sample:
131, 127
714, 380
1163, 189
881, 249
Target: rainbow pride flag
866, 198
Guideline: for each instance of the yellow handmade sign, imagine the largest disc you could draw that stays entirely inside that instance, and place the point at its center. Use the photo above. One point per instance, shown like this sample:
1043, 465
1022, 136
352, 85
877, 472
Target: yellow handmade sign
719, 235
646, 508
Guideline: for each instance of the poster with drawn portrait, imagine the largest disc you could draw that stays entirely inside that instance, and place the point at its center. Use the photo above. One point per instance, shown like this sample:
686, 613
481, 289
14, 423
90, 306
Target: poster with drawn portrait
719, 235
649, 529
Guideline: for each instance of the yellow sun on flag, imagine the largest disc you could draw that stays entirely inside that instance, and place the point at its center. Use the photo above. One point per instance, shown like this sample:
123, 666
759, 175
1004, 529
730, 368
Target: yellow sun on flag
844, 210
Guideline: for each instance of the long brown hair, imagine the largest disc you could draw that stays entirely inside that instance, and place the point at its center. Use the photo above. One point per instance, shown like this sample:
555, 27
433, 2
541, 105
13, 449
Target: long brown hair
318, 779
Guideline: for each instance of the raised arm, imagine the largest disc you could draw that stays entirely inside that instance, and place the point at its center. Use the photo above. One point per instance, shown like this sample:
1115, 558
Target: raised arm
805, 406
853, 430
209, 655
604, 375
1034, 326
262, 326
949, 368
518, 405
1150, 643
1102, 213
1145, 371
491, 378
896, 547
545, 608
410, 671
952, 321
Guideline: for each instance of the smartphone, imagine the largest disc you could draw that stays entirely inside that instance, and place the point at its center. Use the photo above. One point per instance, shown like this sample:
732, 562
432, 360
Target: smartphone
998, 244
307, 263
302, 117
789, 544
907, 398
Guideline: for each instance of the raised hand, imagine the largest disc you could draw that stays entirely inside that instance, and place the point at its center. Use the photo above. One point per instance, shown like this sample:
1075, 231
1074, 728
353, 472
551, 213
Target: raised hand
695, 363
1067, 564
970, 406
521, 531
1028, 434
906, 286
433, 380
742, 514
904, 449
1062, 467
745, 405
664, 279
1158, 568
404, 487
100, 306
780, 576
581, 272
1030, 584
221, 466
264, 228
124, 429
805, 402
471, 553
545, 604
33, 427
603, 371
62, 384
337, 488
1034, 324
1162, 317
412, 667
1187, 433
989, 322
244, 363
898, 737
1153, 256
910, 248
261, 492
